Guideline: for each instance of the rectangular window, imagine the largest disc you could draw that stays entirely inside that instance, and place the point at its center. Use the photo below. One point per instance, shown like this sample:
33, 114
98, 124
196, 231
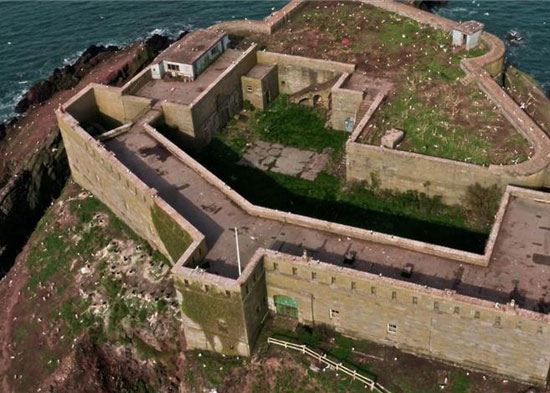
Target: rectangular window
392, 328
206, 288
334, 314
294, 271
476, 315
393, 295
497, 322
353, 286
436, 306
275, 266
249, 89
313, 276
333, 280
456, 310
228, 293
373, 291
186, 282
415, 300
173, 67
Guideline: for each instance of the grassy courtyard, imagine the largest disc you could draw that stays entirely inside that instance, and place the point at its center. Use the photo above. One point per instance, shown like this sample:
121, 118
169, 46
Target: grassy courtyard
440, 116
413, 215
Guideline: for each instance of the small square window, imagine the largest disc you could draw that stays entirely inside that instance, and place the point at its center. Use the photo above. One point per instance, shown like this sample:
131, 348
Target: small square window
456, 310
222, 326
333, 280
393, 295
476, 315
275, 266
392, 328
249, 89
186, 282
313, 276
228, 293
206, 288
353, 286
373, 291
334, 314
415, 300
294, 271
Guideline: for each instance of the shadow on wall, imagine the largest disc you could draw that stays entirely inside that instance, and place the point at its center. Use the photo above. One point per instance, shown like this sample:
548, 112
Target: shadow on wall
264, 189
455, 284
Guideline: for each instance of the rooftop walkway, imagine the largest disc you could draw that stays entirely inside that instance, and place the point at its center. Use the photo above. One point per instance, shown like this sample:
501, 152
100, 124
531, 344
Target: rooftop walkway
512, 271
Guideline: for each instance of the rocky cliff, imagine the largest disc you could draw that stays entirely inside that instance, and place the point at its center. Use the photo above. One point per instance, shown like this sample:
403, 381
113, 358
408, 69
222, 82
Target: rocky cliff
33, 164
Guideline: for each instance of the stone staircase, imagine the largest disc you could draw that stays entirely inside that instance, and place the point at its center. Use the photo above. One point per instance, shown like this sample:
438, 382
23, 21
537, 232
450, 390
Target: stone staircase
468, 79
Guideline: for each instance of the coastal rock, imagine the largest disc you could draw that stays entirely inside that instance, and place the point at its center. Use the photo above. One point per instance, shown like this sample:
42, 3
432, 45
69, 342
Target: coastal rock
64, 78
157, 43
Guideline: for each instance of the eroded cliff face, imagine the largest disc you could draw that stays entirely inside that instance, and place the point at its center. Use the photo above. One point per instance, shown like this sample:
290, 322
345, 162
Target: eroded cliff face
33, 164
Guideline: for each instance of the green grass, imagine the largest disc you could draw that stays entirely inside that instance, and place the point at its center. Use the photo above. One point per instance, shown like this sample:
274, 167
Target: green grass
295, 125
175, 239
429, 131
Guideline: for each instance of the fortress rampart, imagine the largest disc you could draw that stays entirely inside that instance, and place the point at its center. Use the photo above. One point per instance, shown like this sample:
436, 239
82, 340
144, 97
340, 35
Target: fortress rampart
429, 317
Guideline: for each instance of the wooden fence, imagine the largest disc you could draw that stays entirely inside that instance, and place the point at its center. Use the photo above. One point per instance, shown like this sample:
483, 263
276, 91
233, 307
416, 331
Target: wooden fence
338, 367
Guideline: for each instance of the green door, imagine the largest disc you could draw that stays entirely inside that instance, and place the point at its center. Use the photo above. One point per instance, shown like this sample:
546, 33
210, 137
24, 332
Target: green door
286, 306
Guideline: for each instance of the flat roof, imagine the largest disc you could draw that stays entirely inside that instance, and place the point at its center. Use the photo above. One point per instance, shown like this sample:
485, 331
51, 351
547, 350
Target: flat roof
185, 92
518, 268
470, 27
192, 46
260, 70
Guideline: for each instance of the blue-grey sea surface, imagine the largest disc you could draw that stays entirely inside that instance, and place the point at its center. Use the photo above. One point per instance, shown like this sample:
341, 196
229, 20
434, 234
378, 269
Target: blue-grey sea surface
37, 36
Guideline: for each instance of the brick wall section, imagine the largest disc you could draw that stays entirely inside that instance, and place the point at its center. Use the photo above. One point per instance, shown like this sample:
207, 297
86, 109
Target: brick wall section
429, 322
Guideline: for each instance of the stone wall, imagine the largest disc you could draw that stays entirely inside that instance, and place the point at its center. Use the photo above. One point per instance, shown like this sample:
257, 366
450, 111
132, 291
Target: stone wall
429, 322
97, 170
220, 314
297, 73
221, 100
345, 104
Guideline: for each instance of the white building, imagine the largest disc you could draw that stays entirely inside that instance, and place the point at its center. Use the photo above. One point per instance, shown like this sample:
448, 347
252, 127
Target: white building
467, 34
188, 57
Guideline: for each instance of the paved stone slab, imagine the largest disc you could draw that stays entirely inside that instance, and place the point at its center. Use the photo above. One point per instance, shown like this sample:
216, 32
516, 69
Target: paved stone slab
286, 160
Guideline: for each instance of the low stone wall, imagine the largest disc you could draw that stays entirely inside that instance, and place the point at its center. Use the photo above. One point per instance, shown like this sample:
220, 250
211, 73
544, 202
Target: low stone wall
308, 222
472, 333
268, 26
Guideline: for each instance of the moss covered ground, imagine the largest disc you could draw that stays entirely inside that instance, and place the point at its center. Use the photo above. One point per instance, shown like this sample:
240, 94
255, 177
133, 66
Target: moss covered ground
413, 215
440, 116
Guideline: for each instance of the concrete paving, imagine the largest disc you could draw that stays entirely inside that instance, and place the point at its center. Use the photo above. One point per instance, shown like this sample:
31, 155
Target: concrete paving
517, 270
286, 160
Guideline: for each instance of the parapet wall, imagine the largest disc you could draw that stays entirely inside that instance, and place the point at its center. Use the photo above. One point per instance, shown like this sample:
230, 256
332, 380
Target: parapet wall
313, 223
433, 323
98, 171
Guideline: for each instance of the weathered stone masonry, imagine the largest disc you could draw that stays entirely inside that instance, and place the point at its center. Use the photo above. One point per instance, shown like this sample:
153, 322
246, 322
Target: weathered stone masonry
225, 315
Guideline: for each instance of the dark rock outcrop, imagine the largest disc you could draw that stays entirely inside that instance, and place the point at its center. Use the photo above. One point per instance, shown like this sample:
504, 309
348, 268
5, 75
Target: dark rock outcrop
64, 78
26, 193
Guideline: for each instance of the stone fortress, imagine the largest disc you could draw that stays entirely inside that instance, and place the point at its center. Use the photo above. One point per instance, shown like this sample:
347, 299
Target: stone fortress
484, 312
